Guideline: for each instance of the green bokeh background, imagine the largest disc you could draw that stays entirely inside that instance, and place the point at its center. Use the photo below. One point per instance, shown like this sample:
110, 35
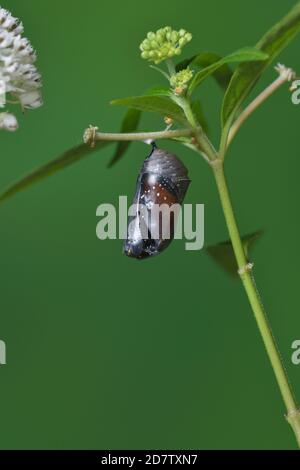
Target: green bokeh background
104, 352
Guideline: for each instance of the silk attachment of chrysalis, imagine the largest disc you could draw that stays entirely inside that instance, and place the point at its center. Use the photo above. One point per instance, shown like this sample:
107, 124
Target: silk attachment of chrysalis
161, 188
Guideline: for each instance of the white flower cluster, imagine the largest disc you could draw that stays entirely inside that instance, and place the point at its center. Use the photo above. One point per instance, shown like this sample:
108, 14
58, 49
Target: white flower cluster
18, 75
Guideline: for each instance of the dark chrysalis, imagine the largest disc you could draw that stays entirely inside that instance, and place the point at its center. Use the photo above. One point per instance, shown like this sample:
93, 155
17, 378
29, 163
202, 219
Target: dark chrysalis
162, 182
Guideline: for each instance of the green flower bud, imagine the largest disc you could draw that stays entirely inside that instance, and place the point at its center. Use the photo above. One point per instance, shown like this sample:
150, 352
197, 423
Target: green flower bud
145, 46
154, 45
174, 37
160, 38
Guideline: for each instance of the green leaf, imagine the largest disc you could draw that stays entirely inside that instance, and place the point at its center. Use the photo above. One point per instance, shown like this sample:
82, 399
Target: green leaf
246, 75
246, 54
156, 104
158, 91
198, 113
222, 75
223, 252
66, 159
130, 124
204, 59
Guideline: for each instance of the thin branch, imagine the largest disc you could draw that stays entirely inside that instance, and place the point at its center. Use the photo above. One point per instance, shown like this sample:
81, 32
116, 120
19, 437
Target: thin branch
91, 135
171, 67
285, 75
160, 71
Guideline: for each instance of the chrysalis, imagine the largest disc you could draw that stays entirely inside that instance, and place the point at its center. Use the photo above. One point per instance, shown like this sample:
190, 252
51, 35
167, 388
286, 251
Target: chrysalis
162, 183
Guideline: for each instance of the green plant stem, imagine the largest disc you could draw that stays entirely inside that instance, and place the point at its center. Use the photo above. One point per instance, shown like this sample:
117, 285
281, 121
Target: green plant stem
171, 67
141, 136
160, 71
293, 414
203, 143
244, 267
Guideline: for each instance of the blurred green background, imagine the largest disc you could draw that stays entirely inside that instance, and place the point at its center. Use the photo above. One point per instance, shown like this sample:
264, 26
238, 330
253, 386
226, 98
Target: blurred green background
104, 352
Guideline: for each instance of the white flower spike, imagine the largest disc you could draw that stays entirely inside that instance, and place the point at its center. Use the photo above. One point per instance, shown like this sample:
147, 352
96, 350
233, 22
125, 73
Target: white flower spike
19, 77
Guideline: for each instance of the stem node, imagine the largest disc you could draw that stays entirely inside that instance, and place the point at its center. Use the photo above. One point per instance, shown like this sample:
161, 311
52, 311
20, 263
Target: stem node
89, 136
246, 269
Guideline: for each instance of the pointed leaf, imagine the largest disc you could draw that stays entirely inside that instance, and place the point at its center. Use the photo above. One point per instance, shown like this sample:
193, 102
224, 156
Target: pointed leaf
223, 252
204, 59
222, 75
66, 159
156, 104
130, 124
243, 55
246, 75
158, 91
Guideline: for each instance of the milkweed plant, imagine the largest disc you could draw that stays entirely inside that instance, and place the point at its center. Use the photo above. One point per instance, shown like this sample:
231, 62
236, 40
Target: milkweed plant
178, 105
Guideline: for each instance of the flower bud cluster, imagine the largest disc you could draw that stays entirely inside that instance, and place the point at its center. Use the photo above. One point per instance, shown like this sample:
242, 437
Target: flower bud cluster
180, 80
164, 44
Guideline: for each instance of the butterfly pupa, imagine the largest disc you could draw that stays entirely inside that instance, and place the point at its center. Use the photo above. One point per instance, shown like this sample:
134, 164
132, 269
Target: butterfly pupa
162, 183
